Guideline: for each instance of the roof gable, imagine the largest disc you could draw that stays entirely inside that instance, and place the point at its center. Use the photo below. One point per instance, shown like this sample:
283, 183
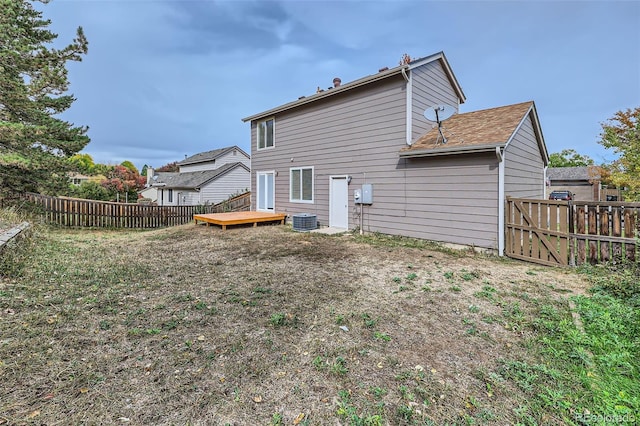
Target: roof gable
370, 79
475, 131
203, 157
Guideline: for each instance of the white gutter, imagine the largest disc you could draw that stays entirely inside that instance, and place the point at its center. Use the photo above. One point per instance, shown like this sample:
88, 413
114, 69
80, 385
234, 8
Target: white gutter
449, 150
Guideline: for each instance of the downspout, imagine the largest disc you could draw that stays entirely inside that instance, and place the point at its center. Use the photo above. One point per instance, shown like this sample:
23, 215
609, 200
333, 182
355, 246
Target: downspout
500, 157
404, 74
409, 118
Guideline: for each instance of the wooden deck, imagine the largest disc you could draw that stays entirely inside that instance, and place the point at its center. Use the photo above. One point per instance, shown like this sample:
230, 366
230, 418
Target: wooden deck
239, 218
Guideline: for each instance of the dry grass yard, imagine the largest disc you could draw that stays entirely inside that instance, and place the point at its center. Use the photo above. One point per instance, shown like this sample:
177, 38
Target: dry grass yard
266, 326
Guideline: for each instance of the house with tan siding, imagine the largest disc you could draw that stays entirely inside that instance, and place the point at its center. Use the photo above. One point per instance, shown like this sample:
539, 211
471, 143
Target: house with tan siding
444, 183
204, 178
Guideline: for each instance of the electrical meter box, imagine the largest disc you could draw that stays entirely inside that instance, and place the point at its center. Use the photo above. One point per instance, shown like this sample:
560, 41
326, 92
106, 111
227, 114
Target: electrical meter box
357, 196
367, 193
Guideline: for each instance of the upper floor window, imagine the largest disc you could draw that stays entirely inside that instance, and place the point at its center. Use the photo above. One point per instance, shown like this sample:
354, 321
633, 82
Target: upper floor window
301, 185
266, 133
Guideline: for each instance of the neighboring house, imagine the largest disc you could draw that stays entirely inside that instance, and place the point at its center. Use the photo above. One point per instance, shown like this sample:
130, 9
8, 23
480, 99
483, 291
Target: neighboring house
584, 182
208, 177
311, 155
154, 182
211, 160
78, 179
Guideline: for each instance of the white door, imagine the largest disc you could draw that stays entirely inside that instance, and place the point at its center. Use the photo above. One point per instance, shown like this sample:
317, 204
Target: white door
339, 202
266, 191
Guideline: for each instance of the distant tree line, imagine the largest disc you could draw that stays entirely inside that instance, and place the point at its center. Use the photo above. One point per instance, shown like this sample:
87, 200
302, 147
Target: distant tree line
119, 182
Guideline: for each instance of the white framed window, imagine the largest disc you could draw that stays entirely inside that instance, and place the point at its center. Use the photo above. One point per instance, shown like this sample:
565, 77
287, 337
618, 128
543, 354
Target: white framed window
301, 184
265, 189
170, 196
266, 133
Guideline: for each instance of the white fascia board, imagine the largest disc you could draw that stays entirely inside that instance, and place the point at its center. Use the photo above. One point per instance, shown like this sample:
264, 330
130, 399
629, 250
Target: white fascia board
513, 135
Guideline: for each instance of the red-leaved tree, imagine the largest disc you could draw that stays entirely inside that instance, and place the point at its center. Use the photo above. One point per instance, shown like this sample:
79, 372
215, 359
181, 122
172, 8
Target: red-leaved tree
123, 184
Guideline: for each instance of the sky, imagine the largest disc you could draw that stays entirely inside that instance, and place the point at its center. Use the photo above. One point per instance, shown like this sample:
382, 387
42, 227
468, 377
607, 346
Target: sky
169, 79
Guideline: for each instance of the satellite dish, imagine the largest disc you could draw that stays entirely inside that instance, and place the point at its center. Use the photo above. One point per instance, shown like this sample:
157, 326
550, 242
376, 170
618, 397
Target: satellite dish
439, 113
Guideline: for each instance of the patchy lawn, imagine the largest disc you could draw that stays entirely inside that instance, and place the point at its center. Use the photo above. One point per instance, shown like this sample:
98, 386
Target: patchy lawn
258, 326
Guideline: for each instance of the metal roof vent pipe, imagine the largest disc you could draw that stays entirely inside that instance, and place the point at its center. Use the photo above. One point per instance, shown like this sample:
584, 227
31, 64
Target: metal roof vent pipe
336, 82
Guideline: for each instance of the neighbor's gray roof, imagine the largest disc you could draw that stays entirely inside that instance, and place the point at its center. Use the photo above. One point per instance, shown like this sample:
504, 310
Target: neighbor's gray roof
572, 173
381, 75
160, 177
192, 180
209, 155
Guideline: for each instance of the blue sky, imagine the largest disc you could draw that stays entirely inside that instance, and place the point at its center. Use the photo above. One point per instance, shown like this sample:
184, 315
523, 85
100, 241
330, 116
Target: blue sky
165, 79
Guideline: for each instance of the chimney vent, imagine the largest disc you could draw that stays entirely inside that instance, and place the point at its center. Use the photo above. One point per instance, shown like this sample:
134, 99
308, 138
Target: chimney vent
383, 69
336, 82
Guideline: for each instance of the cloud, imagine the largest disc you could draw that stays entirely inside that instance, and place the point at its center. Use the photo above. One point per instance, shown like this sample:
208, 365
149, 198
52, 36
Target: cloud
204, 27
168, 78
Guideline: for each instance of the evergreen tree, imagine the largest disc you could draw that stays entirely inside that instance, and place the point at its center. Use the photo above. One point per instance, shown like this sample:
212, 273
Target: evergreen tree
35, 145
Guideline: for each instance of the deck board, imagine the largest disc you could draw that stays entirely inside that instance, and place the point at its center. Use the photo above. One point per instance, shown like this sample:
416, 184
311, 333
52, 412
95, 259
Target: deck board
239, 218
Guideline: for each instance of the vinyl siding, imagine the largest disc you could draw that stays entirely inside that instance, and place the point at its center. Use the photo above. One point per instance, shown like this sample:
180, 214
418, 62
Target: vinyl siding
430, 86
232, 182
209, 165
163, 197
524, 166
450, 199
220, 161
150, 192
187, 198
358, 134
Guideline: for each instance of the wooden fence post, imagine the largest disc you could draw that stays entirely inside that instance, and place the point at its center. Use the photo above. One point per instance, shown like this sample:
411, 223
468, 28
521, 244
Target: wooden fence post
604, 230
629, 232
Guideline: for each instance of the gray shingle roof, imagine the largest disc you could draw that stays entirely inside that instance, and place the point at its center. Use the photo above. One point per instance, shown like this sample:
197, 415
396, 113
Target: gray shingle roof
571, 173
161, 177
192, 180
209, 155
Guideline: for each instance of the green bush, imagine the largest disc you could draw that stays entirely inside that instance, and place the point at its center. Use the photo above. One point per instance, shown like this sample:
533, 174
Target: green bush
621, 281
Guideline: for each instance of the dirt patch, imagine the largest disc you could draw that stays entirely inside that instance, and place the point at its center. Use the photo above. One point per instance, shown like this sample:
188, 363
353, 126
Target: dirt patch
263, 326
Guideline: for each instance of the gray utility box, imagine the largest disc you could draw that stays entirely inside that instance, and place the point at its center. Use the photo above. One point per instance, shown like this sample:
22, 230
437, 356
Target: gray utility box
366, 194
